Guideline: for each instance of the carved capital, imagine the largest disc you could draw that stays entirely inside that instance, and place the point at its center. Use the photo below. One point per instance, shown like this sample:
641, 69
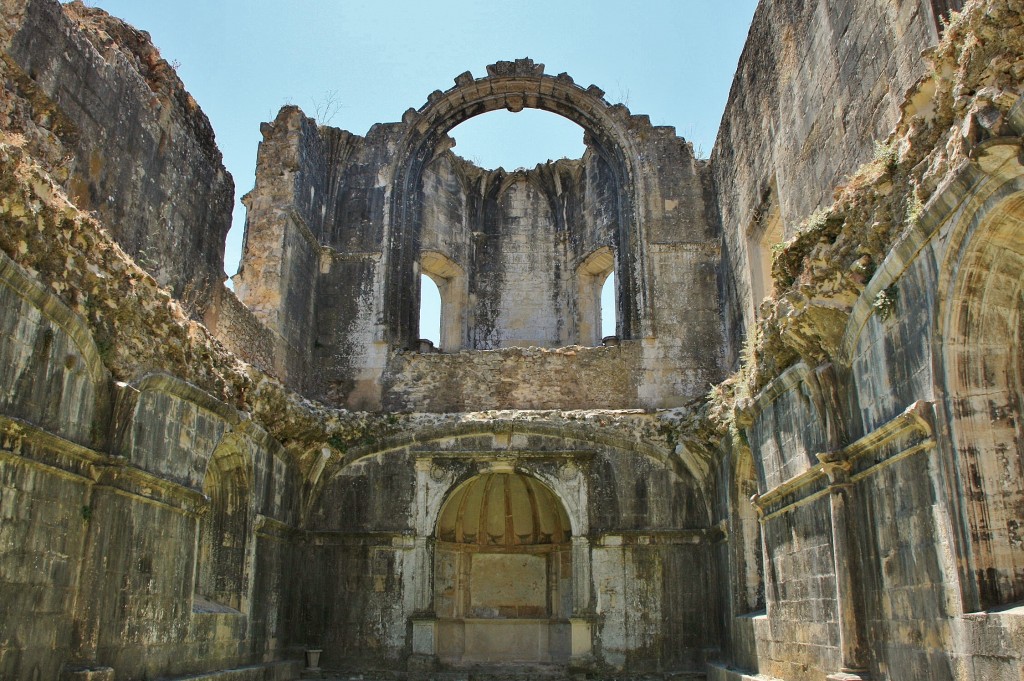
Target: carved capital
837, 469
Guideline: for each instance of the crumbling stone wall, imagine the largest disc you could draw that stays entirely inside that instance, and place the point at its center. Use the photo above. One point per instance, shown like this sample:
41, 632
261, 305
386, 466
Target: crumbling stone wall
818, 84
872, 308
847, 504
138, 143
341, 235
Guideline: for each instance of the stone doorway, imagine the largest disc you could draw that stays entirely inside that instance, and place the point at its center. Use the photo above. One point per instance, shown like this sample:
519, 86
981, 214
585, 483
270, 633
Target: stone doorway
503, 573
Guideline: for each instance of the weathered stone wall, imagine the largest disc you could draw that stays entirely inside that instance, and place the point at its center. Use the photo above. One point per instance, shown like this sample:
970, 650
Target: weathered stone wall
103, 495
530, 378
140, 143
640, 537
43, 527
802, 637
818, 84
151, 527
915, 521
52, 373
336, 233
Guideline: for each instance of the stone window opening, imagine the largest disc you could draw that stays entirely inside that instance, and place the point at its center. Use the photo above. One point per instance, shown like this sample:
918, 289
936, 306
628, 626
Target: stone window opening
764, 238
430, 311
450, 280
597, 270
222, 537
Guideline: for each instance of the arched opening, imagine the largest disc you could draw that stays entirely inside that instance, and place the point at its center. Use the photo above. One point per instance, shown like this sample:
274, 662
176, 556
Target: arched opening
984, 356
515, 86
502, 139
596, 297
609, 323
503, 573
223, 532
442, 300
430, 310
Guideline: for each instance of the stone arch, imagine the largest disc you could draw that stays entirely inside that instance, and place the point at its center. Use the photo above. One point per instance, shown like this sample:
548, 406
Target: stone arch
512, 86
224, 532
579, 431
982, 377
62, 383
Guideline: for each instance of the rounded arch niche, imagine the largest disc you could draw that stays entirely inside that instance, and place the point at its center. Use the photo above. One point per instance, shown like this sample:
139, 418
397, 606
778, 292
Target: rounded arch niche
503, 573
512, 86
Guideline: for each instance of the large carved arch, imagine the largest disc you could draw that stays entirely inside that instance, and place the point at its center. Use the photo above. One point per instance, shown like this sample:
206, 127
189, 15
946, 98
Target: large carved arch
979, 367
513, 86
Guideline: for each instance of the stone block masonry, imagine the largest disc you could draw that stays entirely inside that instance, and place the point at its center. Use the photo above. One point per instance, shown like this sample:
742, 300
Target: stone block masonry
186, 493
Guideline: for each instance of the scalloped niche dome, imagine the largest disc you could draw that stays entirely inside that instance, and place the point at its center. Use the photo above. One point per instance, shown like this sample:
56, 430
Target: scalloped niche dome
503, 509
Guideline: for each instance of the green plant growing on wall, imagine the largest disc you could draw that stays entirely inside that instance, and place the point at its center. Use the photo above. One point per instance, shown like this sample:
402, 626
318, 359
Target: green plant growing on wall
885, 302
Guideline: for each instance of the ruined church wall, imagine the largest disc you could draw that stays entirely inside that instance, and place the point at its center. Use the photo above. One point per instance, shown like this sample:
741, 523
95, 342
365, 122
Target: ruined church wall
102, 495
798, 638
371, 530
54, 404
348, 344
817, 85
511, 249
139, 610
933, 595
140, 143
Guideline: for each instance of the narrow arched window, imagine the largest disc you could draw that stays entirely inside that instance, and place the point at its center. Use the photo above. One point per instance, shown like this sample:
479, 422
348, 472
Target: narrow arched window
430, 310
596, 296
608, 316
443, 296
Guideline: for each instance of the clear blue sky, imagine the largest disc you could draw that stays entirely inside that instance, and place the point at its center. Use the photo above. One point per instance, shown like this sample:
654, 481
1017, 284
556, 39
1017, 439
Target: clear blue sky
243, 59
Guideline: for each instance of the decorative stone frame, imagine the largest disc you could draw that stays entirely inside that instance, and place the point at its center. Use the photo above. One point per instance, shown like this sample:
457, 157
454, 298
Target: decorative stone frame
224, 532
434, 486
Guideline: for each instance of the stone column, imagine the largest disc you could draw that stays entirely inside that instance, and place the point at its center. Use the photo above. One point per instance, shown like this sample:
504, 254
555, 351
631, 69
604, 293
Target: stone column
851, 637
423, 618
581, 576
583, 617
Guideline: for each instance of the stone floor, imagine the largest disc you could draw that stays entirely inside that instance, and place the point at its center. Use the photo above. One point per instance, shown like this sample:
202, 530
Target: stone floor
516, 674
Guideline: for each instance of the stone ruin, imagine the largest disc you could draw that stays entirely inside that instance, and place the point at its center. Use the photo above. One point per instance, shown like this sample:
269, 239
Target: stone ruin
279, 482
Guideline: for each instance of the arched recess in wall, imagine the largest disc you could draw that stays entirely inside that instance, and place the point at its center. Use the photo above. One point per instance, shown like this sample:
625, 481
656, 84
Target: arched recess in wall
503, 572
224, 532
512, 86
452, 286
983, 354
